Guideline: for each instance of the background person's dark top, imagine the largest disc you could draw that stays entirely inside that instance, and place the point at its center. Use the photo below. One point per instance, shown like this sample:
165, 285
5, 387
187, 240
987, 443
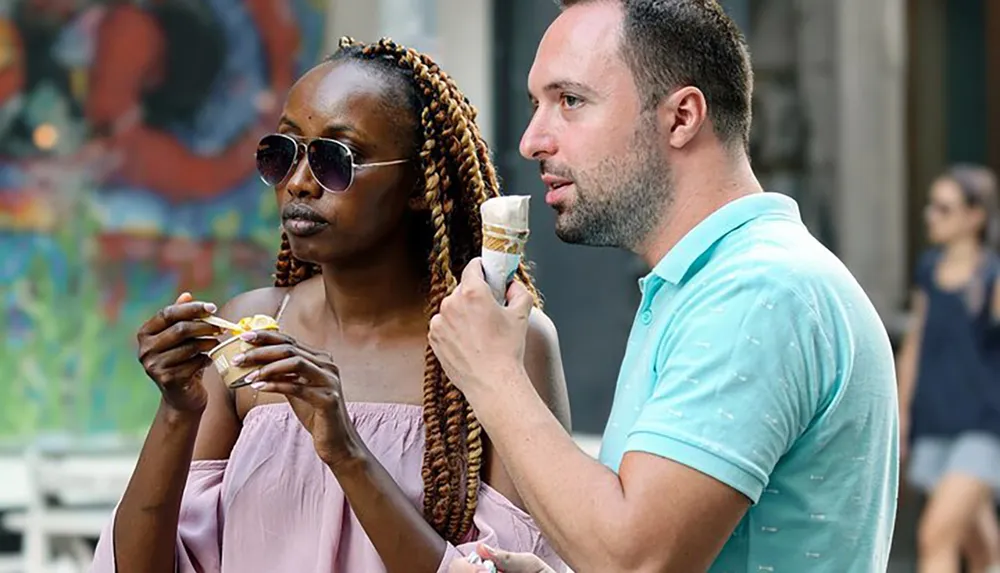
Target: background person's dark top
958, 379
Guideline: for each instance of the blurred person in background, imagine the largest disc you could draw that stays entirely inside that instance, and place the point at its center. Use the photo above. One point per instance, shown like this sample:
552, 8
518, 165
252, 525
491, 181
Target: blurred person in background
349, 450
949, 376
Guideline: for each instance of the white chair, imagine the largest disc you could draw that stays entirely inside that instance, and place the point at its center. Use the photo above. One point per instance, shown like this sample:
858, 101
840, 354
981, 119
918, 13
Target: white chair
71, 496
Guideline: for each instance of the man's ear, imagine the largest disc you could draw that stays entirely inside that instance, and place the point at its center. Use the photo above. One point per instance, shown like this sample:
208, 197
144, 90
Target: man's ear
681, 115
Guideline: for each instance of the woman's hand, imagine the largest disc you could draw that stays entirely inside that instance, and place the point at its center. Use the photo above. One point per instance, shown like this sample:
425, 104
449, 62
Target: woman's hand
311, 382
172, 346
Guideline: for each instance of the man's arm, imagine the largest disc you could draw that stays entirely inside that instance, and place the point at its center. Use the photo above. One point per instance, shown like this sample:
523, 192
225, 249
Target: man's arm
701, 451
543, 365
642, 519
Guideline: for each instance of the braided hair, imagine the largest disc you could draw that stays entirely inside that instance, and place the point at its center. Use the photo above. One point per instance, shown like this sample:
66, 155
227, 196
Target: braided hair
458, 175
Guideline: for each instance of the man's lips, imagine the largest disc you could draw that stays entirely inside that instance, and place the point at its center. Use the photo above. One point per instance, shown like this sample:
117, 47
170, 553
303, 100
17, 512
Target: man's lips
553, 182
557, 188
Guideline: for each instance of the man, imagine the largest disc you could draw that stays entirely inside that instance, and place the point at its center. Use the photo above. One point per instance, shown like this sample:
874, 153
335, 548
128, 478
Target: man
754, 424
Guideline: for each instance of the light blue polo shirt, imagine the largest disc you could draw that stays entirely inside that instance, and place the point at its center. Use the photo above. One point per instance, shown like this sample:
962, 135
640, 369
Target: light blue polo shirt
757, 359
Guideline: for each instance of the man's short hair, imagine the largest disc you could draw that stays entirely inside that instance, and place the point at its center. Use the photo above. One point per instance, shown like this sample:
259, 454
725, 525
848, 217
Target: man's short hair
673, 43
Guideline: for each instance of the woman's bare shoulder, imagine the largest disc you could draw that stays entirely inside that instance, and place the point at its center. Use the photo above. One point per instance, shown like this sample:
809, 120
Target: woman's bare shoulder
543, 362
265, 300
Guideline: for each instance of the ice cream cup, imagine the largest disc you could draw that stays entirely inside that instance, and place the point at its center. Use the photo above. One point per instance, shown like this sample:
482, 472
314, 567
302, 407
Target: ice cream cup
222, 357
223, 354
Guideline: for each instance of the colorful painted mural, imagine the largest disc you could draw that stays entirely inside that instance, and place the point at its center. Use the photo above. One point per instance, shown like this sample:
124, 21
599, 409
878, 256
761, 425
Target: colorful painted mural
127, 131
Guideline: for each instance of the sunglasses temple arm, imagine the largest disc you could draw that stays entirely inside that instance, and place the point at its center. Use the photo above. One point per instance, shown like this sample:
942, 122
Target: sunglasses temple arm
384, 163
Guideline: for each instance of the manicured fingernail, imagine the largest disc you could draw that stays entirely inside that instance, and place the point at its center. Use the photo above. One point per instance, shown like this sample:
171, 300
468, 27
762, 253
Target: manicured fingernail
489, 549
239, 358
253, 376
258, 385
249, 336
211, 308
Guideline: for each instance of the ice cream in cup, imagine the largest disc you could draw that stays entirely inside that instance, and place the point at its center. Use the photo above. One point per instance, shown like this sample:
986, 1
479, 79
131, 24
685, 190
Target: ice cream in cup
223, 354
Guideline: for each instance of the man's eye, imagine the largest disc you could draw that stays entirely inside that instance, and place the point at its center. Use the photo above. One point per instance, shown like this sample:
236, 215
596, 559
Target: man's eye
571, 101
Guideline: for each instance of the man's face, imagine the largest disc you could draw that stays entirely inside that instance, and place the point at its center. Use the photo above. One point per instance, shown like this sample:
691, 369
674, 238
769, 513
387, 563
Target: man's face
599, 152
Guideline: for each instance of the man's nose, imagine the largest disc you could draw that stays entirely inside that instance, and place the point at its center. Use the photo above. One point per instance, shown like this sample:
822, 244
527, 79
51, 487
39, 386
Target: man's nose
537, 142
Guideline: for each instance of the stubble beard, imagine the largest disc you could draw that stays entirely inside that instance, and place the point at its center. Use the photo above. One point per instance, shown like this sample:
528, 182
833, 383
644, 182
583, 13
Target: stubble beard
621, 201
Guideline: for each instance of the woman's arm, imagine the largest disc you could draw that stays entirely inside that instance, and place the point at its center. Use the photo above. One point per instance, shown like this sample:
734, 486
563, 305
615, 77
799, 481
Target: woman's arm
145, 528
146, 521
907, 363
401, 536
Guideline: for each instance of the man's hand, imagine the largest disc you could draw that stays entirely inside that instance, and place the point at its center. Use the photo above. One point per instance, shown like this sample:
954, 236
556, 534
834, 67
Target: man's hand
505, 561
508, 562
463, 566
479, 343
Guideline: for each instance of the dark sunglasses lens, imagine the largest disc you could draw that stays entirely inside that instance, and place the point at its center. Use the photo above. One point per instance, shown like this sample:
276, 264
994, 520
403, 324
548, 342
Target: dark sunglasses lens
275, 155
331, 164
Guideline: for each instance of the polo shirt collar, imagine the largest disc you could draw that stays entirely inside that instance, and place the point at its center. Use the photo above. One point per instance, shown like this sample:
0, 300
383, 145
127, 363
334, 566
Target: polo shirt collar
674, 266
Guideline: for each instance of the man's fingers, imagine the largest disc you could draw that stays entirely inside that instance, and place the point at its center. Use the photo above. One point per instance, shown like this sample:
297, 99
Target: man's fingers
462, 566
513, 562
473, 272
519, 299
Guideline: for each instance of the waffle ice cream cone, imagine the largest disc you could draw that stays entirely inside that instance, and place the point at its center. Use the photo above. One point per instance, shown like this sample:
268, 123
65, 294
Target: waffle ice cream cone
505, 235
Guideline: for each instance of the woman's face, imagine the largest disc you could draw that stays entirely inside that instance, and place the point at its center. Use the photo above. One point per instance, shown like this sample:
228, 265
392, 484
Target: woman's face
346, 102
949, 218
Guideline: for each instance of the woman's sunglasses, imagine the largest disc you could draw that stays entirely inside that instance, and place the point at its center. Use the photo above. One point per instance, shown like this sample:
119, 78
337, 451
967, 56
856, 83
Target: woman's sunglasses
330, 161
941, 209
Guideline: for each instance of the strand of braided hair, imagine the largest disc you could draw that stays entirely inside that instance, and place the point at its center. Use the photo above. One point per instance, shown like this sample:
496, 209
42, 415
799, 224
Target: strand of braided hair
458, 175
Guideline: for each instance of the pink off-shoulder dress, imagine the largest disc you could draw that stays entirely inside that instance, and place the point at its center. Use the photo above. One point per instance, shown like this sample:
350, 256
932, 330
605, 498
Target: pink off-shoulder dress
273, 506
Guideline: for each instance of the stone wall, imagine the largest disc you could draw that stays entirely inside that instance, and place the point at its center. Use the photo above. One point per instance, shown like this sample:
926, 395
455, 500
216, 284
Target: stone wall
828, 128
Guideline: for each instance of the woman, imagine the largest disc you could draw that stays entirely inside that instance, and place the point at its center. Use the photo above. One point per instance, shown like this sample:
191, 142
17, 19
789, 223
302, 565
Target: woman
949, 368
348, 427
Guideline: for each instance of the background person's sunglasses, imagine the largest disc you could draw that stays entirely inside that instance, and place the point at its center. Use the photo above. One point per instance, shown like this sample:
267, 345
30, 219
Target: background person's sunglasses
330, 161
